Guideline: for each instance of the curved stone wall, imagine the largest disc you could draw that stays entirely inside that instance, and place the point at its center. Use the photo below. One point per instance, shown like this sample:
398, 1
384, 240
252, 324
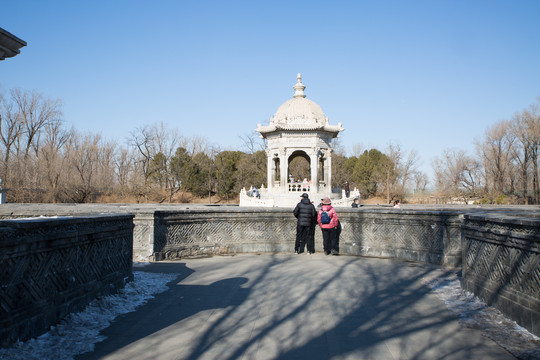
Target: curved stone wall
500, 246
501, 264
430, 234
420, 235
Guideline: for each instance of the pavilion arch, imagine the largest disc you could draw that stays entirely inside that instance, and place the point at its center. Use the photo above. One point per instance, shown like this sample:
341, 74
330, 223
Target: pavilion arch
296, 155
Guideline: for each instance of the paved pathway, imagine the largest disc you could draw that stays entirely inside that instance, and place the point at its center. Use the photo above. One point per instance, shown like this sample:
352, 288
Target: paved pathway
294, 307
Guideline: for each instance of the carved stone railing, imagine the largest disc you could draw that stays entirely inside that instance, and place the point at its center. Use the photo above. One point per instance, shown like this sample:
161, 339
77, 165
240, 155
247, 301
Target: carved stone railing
299, 187
501, 264
432, 237
54, 266
499, 251
428, 236
247, 198
414, 233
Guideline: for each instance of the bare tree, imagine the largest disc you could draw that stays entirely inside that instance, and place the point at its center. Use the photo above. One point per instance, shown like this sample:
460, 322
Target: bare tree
11, 129
338, 147
107, 154
521, 152
252, 142
34, 112
531, 123
420, 181
496, 153
53, 159
24, 116
151, 141
124, 168
167, 140
401, 172
358, 149
456, 174
196, 145
85, 160
144, 140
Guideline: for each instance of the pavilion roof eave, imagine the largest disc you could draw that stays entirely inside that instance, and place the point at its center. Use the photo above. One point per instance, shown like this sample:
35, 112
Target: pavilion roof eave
268, 130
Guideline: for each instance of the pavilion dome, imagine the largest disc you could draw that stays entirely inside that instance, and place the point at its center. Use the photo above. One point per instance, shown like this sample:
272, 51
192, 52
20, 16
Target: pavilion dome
299, 112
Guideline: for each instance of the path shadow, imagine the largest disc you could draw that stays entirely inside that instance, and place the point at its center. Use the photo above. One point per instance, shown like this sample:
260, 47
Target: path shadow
179, 302
388, 315
383, 317
167, 308
387, 319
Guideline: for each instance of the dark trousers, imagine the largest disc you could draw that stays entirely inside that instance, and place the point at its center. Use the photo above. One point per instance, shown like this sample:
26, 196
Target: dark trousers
338, 233
311, 242
305, 235
329, 240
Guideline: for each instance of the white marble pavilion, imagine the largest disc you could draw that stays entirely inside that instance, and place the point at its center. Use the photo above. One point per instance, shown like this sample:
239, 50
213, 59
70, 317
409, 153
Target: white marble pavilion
298, 129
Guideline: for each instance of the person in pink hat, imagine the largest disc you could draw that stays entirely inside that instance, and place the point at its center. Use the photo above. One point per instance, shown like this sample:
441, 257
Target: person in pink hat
328, 221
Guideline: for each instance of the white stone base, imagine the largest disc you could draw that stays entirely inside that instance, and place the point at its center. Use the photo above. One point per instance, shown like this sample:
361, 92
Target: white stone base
290, 199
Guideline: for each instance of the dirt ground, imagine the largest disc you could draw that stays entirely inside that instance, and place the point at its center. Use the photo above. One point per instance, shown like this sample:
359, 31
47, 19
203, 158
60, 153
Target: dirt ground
373, 201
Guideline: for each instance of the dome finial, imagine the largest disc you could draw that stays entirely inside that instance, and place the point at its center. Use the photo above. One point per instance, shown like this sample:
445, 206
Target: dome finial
299, 87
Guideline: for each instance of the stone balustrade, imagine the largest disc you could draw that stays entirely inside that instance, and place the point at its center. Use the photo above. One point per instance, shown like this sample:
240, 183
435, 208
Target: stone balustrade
54, 266
422, 233
427, 236
299, 187
499, 246
501, 264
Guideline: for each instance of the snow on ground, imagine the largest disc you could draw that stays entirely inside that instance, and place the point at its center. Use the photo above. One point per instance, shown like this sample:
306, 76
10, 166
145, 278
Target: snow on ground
78, 332
40, 218
476, 314
137, 264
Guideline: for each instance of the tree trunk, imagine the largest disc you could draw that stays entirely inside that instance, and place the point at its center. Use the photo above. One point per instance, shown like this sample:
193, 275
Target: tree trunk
388, 186
536, 194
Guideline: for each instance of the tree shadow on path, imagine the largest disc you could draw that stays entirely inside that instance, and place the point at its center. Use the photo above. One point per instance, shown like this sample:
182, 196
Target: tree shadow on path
287, 307
166, 309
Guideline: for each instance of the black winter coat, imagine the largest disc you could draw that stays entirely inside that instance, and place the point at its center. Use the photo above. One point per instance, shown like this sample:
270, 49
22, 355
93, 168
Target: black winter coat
305, 213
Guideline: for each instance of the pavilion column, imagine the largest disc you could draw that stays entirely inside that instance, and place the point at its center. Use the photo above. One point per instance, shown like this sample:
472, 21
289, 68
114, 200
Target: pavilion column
315, 171
284, 170
328, 170
270, 171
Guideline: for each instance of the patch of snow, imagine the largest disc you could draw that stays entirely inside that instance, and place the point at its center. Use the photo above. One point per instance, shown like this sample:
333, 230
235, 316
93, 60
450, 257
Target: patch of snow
475, 314
41, 217
141, 263
78, 332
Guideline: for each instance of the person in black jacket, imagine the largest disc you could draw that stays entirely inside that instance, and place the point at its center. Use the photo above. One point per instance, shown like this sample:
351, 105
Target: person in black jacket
347, 189
305, 235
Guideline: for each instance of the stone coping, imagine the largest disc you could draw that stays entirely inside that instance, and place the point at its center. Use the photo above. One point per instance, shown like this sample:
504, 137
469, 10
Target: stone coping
30, 222
527, 208
378, 228
525, 219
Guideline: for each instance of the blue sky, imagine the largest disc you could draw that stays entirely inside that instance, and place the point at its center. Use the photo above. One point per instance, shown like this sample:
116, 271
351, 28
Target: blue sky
426, 74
